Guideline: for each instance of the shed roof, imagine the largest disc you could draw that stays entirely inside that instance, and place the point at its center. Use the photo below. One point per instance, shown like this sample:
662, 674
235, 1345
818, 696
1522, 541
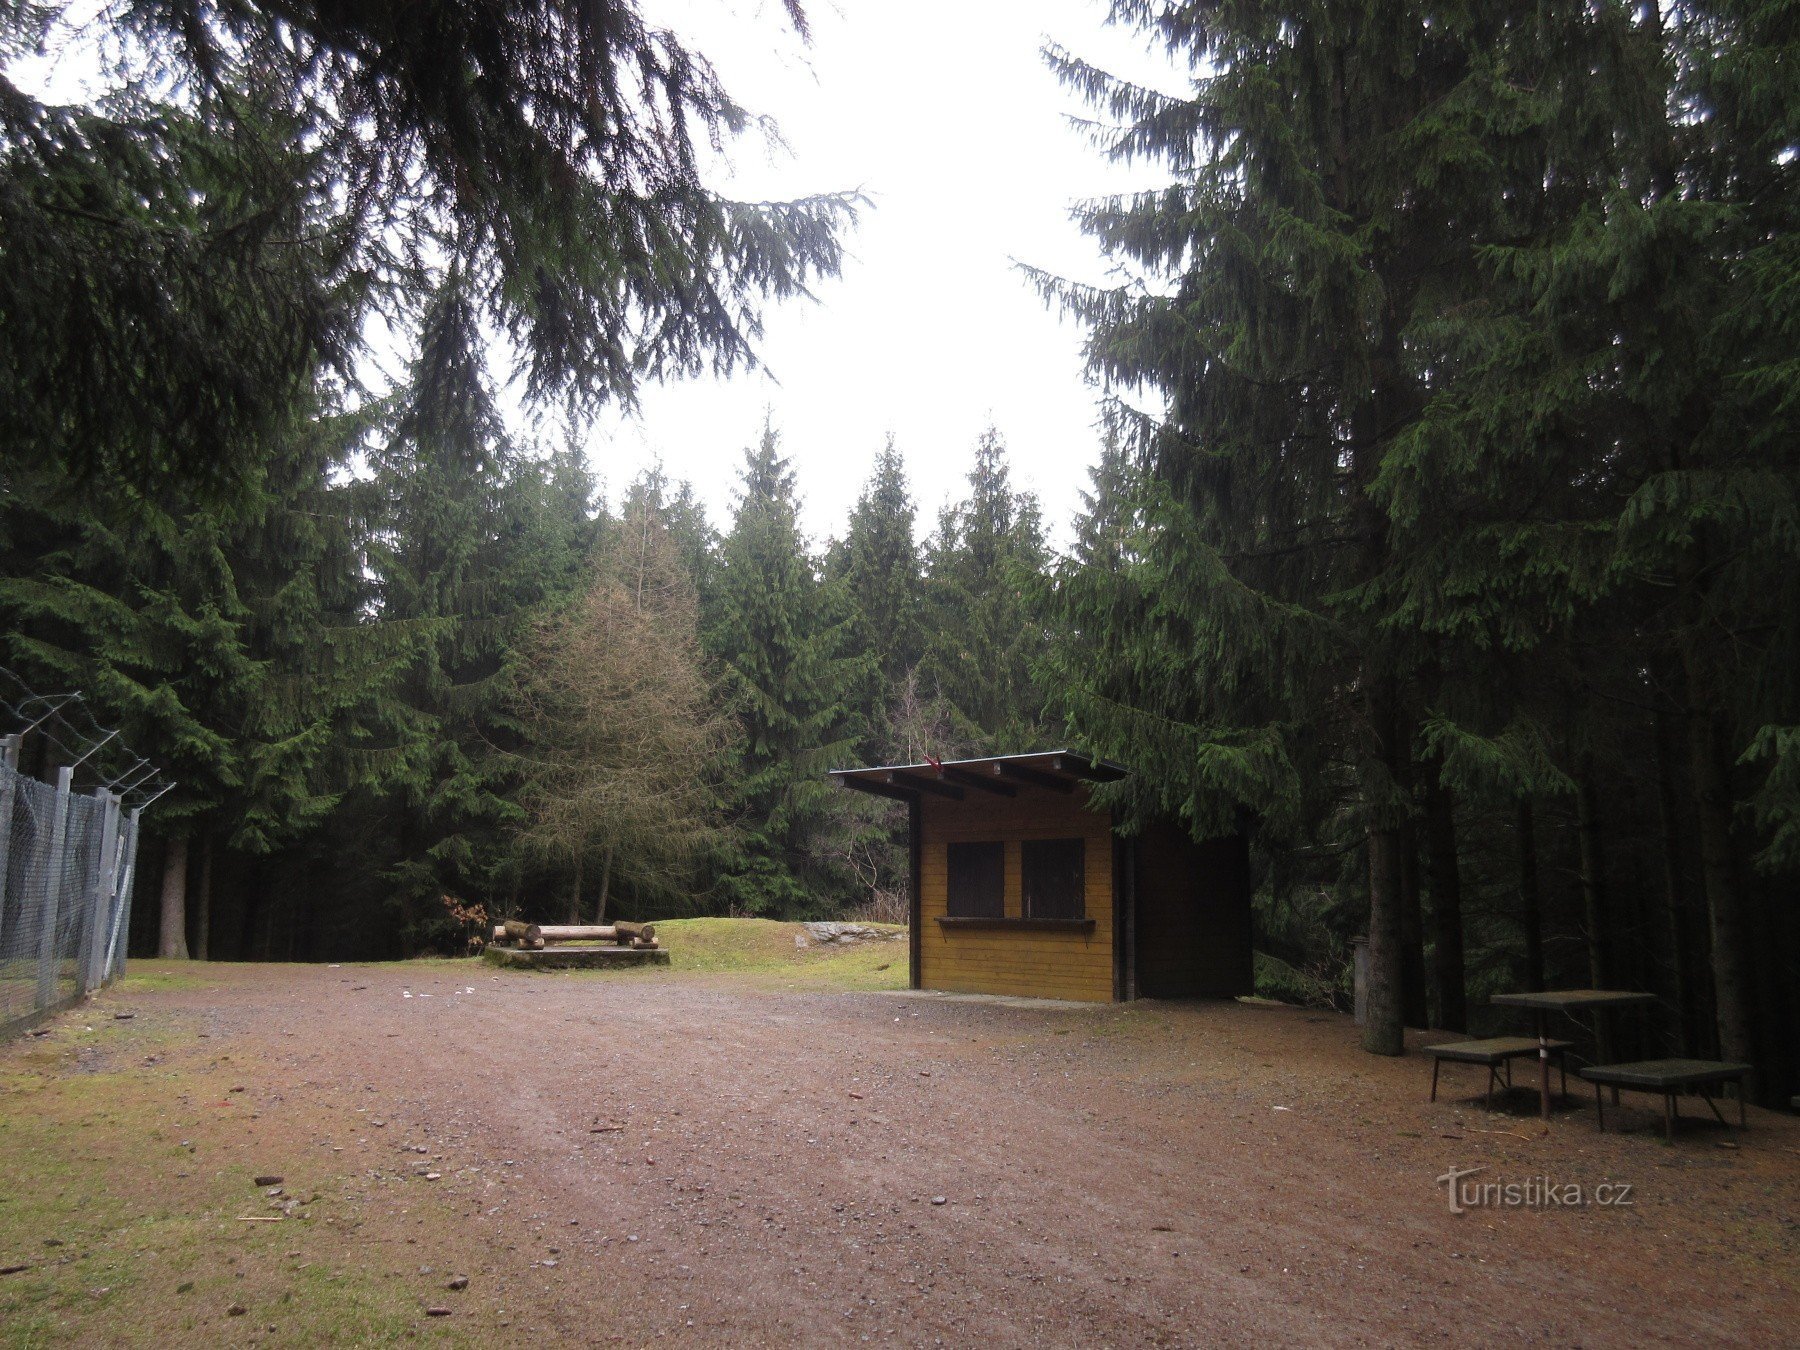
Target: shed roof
998, 775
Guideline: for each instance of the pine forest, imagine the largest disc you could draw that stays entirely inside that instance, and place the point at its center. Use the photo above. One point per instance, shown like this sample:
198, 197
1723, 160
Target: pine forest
1443, 529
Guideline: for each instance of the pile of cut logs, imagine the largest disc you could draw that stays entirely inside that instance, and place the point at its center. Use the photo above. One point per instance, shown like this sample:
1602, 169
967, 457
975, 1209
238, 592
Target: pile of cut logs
518, 933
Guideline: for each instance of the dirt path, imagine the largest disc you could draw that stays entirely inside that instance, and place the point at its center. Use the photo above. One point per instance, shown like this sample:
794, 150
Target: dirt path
701, 1160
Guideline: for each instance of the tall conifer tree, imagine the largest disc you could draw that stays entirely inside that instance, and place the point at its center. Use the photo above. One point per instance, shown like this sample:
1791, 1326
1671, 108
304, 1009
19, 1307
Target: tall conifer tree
791, 682
465, 550
983, 606
878, 566
1334, 169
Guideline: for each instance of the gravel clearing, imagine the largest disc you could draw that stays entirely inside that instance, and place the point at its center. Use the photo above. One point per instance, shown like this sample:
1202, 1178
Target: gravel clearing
700, 1159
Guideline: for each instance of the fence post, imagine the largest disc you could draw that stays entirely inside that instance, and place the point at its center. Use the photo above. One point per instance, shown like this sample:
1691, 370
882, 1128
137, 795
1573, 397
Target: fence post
115, 953
95, 927
59, 838
9, 791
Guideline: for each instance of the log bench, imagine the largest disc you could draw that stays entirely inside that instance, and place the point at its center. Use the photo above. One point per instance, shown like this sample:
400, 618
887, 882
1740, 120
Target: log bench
1495, 1053
1669, 1077
518, 933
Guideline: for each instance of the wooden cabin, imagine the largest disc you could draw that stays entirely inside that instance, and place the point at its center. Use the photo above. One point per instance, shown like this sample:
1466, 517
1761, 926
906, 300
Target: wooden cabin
1021, 886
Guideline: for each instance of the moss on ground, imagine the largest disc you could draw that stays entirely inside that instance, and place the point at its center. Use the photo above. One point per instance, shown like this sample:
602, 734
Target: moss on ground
144, 977
126, 1207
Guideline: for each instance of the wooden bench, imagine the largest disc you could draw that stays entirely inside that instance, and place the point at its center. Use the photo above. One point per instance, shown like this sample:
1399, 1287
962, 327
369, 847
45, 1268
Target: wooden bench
535, 936
1498, 1051
1670, 1077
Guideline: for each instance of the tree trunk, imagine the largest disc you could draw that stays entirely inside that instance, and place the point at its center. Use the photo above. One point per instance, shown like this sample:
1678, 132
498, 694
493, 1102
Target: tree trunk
1712, 798
251, 899
203, 902
1388, 405
575, 892
172, 944
1384, 1031
265, 927
1593, 896
1593, 881
1709, 782
605, 885
1674, 881
1415, 1004
1531, 909
1446, 906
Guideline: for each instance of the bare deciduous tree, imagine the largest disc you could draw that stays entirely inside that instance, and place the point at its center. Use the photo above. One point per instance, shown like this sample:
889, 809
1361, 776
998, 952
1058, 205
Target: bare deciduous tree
625, 731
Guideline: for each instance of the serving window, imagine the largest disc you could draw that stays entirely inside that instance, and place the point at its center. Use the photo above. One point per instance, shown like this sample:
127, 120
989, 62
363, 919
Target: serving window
977, 881
1053, 878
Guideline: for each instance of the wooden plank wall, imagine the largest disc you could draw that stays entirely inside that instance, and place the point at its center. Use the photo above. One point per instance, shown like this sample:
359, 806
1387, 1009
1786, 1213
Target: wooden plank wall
1016, 961
1193, 915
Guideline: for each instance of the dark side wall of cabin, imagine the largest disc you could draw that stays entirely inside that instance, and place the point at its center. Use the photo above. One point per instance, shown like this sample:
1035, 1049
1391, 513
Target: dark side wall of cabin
1190, 923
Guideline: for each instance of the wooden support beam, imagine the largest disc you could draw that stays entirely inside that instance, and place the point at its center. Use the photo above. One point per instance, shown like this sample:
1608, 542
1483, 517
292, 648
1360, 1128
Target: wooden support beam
875, 789
931, 785
975, 780
1037, 778
1094, 773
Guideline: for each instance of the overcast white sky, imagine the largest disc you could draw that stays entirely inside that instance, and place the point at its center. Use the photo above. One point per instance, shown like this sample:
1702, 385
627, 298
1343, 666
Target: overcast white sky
945, 115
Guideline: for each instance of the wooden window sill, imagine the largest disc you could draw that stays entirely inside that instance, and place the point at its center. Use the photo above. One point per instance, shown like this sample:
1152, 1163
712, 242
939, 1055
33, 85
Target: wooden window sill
1033, 925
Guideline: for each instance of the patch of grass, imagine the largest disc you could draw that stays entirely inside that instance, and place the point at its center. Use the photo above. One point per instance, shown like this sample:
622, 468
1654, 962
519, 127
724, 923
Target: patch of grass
761, 951
123, 1202
144, 977
765, 951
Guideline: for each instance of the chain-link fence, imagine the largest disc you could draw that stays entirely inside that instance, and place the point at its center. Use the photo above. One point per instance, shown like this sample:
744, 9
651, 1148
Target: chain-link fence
67, 860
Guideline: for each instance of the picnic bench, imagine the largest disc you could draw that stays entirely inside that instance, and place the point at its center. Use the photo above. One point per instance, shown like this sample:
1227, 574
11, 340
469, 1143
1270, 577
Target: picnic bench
1495, 1053
1570, 1002
1670, 1077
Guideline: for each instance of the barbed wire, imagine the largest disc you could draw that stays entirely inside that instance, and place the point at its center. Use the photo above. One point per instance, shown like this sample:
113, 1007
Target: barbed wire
76, 739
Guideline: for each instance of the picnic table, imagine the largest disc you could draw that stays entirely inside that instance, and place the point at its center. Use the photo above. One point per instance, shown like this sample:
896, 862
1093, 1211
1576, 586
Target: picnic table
1543, 1002
1669, 1078
1494, 1053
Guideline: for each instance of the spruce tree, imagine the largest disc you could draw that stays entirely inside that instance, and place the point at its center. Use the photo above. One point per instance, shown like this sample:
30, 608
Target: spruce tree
1333, 171
984, 592
791, 684
877, 565
219, 640
1101, 593
471, 538
548, 154
1623, 389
